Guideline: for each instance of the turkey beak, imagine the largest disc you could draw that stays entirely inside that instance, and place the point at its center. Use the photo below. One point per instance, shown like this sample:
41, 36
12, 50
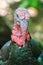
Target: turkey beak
18, 23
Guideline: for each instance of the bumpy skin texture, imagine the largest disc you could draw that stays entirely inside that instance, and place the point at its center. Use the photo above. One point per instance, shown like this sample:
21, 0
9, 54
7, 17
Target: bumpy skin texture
20, 32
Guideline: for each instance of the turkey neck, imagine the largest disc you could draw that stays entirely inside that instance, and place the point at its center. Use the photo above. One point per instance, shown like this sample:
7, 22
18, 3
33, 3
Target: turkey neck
23, 26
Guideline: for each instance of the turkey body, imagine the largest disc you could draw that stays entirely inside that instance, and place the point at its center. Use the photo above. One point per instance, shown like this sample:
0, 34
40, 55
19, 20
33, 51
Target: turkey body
20, 56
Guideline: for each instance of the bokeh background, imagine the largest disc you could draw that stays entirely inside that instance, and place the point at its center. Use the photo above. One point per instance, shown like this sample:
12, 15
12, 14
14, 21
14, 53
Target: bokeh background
35, 27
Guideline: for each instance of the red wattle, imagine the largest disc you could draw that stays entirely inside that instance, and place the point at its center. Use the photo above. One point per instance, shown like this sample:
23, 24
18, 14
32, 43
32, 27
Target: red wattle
18, 37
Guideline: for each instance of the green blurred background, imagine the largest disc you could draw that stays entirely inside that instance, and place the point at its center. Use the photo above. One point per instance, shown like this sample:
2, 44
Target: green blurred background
35, 27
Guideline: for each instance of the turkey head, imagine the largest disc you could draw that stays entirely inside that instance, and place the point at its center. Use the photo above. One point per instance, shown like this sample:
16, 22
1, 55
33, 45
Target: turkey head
20, 32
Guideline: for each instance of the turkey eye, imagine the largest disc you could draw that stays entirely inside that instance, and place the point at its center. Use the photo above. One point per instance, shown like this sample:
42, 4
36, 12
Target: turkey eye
17, 15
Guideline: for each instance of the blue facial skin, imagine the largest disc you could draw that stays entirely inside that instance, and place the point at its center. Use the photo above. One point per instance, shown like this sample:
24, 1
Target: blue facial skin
24, 24
16, 15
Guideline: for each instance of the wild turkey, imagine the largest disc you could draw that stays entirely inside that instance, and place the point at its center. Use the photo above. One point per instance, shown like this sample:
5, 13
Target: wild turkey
18, 51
